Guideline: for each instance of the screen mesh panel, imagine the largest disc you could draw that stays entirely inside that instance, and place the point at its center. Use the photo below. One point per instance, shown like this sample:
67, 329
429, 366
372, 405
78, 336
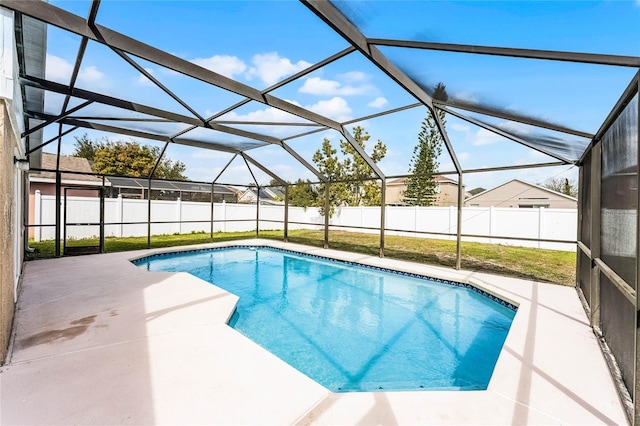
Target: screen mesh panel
618, 320
585, 202
619, 191
584, 278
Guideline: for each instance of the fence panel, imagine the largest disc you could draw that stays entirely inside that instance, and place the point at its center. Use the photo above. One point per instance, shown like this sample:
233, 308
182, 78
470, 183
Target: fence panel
194, 211
557, 224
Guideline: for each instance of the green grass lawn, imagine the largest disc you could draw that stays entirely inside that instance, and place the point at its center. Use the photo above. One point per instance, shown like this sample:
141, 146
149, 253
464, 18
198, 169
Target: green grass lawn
544, 265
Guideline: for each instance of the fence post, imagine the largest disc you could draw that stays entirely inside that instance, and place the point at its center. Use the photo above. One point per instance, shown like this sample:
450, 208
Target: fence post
223, 219
37, 219
492, 224
415, 217
120, 215
452, 215
541, 217
179, 215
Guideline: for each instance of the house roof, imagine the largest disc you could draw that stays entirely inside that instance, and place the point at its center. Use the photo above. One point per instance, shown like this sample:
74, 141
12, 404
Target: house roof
140, 183
265, 193
69, 163
526, 183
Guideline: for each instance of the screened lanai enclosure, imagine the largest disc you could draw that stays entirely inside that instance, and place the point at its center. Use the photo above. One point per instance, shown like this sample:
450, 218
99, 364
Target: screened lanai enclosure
552, 96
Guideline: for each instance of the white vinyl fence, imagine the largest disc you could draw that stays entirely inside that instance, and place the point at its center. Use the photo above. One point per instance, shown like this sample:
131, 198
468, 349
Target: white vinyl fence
428, 222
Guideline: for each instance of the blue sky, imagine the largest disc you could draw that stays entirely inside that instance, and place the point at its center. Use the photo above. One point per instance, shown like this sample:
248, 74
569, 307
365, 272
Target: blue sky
262, 42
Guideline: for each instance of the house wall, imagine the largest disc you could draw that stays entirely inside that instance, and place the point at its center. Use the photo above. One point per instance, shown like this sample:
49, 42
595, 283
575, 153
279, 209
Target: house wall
11, 246
393, 195
11, 181
447, 195
516, 194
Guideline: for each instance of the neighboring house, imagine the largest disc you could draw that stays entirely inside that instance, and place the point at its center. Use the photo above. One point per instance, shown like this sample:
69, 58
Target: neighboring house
447, 192
520, 194
45, 182
170, 190
267, 196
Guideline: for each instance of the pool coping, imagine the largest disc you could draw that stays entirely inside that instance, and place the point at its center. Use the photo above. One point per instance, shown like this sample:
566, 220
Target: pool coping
478, 288
540, 377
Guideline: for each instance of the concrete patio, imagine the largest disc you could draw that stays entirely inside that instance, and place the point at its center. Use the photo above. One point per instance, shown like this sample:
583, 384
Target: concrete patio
98, 340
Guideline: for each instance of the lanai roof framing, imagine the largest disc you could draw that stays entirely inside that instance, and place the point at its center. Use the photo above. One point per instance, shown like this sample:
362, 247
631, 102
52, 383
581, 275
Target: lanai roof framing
566, 151
127, 48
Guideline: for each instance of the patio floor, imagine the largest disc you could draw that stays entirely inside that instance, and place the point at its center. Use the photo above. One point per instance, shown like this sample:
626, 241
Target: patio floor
101, 341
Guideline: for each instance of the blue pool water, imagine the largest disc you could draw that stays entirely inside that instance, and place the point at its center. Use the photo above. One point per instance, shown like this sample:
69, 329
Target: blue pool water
354, 328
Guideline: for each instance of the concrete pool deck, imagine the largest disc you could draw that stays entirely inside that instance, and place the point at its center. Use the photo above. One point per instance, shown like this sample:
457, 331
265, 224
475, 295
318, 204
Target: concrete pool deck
98, 340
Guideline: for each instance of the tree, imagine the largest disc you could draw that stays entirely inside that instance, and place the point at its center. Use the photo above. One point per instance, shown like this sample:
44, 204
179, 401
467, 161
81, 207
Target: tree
127, 159
422, 187
329, 165
302, 194
476, 191
85, 147
563, 186
357, 186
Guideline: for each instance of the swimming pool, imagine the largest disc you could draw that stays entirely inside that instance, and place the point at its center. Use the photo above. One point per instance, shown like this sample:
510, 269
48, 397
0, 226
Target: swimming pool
351, 327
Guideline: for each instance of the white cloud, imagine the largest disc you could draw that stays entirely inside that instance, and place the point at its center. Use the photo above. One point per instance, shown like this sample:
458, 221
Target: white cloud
353, 76
459, 127
142, 79
59, 70
485, 137
268, 114
336, 108
378, 102
462, 156
270, 67
320, 86
90, 74
222, 64
208, 154
536, 154
512, 126
466, 96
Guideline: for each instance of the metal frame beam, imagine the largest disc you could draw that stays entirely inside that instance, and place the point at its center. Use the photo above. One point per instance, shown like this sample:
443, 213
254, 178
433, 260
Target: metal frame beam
335, 19
54, 119
636, 385
172, 117
626, 97
294, 77
136, 133
445, 138
53, 139
263, 168
551, 55
468, 106
63, 19
257, 194
155, 81
505, 134
107, 100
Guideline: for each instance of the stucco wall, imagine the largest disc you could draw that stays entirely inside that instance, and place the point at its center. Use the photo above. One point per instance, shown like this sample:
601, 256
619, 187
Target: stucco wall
447, 193
8, 144
517, 194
